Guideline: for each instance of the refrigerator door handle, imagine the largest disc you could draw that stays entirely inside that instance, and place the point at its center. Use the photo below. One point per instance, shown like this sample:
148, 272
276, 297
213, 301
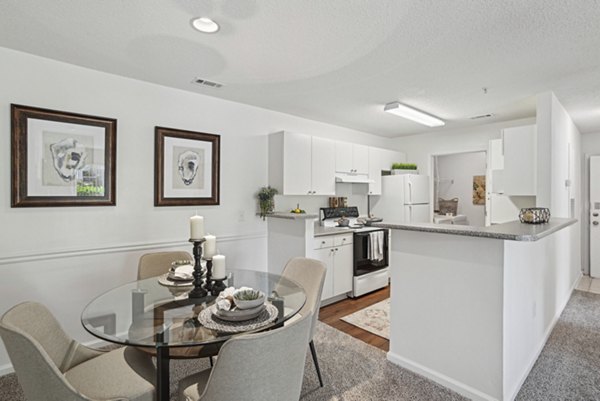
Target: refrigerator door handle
410, 219
409, 191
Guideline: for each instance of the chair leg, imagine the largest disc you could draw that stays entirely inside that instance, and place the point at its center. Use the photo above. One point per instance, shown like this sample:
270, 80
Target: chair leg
211, 361
314, 357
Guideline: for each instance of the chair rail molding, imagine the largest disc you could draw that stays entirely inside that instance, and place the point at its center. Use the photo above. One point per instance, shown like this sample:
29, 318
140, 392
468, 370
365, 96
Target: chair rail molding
126, 247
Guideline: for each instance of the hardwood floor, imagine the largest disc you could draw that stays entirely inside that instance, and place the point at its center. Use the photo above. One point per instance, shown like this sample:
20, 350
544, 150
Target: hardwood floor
331, 315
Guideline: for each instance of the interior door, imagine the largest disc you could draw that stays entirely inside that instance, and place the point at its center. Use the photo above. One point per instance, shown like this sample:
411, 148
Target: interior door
416, 188
595, 216
417, 214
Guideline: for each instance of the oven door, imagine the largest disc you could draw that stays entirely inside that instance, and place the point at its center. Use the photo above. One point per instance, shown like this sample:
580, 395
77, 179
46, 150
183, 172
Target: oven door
363, 264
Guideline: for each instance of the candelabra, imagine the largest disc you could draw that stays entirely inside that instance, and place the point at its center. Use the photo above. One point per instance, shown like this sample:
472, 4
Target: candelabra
198, 291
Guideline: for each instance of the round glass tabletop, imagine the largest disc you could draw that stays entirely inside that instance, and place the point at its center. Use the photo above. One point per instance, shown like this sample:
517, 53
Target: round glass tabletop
146, 313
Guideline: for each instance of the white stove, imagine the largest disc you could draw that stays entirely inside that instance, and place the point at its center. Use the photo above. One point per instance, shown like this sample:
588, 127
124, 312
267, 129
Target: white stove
369, 273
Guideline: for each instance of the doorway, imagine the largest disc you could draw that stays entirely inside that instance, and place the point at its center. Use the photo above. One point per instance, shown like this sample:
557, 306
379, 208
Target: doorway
461, 179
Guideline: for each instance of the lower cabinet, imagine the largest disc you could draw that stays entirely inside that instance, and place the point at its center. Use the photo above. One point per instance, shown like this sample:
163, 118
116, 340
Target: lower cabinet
338, 257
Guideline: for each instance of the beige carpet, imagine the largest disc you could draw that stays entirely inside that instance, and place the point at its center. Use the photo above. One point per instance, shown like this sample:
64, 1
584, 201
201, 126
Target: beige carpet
374, 318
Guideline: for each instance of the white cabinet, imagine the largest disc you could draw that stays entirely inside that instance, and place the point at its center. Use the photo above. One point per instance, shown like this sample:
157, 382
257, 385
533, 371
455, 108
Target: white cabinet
336, 252
520, 158
351, 158
323, 166
381, 159
301, 164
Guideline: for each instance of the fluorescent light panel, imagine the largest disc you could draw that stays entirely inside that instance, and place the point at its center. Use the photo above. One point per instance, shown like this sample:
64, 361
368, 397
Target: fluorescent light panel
413, 114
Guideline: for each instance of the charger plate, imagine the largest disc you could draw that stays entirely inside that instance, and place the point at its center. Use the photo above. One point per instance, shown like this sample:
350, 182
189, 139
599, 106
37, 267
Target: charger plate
164, 280
210, 320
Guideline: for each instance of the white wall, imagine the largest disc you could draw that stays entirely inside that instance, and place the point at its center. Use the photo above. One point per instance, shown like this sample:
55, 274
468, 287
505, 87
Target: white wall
559, 170
64, 257
456, 172
420, 148
590, 145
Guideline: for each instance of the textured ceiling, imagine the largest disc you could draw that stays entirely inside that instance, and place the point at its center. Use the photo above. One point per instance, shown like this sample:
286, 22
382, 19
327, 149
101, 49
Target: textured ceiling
337, 61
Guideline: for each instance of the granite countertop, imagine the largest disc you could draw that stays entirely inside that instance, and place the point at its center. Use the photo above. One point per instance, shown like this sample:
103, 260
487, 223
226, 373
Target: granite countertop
514, 230
292, 216
321, 231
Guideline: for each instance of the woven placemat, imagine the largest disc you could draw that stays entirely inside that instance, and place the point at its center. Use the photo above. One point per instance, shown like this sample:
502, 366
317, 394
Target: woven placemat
210, 321
163, 280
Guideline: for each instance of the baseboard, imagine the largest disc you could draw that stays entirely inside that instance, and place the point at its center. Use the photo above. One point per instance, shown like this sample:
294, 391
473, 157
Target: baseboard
547, 334
448, 382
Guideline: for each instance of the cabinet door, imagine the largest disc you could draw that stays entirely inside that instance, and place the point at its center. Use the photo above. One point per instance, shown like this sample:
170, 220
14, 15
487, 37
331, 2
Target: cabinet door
325, 255
343, 157
377, 159
323, 166
520, 161
342, 269
297, 164
360, 159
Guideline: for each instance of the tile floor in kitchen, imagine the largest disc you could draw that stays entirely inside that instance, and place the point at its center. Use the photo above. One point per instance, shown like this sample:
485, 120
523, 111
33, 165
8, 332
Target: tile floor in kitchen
589, 284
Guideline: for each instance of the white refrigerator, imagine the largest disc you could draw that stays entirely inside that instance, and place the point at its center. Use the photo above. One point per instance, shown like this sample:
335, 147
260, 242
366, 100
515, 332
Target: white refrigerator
404, 199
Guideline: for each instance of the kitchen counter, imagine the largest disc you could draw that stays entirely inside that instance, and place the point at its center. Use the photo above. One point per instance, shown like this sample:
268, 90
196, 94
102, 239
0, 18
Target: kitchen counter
513, 231
472, 307
292, 216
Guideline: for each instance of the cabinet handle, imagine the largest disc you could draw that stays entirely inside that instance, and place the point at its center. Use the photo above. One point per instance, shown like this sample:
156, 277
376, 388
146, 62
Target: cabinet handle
322, 242
343, 239
337, 249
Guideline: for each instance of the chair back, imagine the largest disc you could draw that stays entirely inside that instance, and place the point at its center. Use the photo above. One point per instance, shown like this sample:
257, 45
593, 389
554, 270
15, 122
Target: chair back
157, 263
267, 366
310, 274
40, 351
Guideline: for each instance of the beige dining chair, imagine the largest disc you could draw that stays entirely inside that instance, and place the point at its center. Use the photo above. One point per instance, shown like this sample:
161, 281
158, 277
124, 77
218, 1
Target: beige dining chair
157, 263
51, 366
310, 274
267, 366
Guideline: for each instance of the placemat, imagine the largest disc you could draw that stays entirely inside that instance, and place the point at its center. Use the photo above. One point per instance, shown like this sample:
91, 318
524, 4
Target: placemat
210, 321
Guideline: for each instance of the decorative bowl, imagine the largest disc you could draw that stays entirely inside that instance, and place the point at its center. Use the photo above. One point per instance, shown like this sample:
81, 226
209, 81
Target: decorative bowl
534, 215
248, 298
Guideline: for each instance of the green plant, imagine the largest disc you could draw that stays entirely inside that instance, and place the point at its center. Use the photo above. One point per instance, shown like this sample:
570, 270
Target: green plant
404, 166
266, 200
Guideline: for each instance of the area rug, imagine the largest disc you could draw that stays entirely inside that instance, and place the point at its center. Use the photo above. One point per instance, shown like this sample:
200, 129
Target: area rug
374, 318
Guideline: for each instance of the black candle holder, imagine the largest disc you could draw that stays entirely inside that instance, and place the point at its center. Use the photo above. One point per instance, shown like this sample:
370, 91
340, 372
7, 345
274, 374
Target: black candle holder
198, 291
218, 286
208, 285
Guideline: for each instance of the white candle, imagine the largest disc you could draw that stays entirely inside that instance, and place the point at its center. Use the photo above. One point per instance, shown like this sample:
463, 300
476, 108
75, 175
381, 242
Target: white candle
210, 246
196, 227
218, 267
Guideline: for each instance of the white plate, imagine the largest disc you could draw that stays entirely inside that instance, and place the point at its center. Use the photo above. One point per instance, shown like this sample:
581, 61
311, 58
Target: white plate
164, 280
238, 315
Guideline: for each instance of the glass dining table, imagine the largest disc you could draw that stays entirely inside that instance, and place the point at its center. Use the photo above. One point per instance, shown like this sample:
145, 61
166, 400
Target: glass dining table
162, 320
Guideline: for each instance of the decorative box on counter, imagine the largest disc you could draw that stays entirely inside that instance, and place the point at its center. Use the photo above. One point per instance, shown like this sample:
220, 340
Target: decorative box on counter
534, 215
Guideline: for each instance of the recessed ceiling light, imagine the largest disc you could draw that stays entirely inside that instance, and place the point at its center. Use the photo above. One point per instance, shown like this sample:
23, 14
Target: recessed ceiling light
412, 114
205, 24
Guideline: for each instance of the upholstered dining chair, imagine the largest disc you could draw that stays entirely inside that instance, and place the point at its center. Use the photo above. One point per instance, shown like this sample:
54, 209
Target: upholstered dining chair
266, 366
310, 274
157, 263
51, 366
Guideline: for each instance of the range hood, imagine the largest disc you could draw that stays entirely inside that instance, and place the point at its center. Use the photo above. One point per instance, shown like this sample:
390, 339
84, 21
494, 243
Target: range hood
353, 178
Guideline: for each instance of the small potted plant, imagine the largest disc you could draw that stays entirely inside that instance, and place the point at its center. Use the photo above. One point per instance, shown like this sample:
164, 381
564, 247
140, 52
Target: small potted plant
266, 200
404, 168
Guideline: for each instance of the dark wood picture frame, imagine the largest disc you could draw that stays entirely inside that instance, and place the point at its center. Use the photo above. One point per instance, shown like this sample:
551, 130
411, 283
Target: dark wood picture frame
196, 167
64, 160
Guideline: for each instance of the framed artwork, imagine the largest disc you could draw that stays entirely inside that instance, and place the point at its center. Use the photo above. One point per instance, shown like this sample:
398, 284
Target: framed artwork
479, 189
187, 168
61, 158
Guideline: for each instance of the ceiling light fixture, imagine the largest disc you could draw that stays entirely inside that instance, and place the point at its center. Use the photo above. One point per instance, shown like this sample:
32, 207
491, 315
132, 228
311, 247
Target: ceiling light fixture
413, 114
205, 25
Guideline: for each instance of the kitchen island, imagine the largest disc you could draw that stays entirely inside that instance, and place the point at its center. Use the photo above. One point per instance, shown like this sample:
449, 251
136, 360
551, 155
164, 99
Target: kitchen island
472, 307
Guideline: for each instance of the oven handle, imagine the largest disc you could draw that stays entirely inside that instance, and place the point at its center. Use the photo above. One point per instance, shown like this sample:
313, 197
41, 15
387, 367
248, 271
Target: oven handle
365, 233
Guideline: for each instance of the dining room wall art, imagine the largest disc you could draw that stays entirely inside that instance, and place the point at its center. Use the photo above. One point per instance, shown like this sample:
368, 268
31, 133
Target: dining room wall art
61, 158
187, 168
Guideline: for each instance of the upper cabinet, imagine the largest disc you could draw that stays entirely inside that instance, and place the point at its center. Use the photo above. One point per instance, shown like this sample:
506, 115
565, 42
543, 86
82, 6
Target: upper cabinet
381, 159
351, 158
301, 164
520, 158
